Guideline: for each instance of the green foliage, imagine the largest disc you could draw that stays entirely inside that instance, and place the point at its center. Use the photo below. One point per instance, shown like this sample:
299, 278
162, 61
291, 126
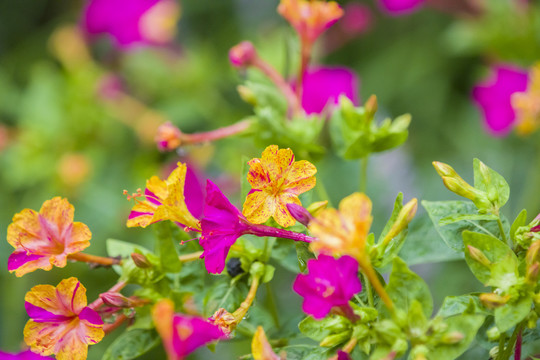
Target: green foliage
466, 325
455, 305
165, 249
493, 184
132, 344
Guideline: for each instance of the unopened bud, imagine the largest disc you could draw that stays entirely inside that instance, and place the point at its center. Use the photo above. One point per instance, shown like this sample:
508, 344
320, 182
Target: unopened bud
460, 187
224, 320
444, 170
532, 273
242, 55
257, 269
479, 256
452, 337
494, 352
533, 253
247, 94
532, 319
116, 299
371, 105
406, 214
536, 227
168, 137
140, 261
493, 333
300, 214
335, 339
316, 207
419, 352
493, 301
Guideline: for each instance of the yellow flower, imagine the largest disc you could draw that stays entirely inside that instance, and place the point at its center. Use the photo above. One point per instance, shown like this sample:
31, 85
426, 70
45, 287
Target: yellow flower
276, 180
164, 201
260, 347
44, 239
527, 104
344, 231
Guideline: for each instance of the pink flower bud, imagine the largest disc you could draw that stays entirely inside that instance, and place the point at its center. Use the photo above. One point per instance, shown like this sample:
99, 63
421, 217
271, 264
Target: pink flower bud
299, 213
242, 55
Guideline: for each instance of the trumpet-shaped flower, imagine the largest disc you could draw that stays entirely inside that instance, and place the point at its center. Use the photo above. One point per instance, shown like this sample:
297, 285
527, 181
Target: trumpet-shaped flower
182, 334
401, 7
310, 18
61, 323
329, 283
44, 239
527, 104
276, 180
223, 223
344, 231
494, 98
132, 22
164, 201
323, 86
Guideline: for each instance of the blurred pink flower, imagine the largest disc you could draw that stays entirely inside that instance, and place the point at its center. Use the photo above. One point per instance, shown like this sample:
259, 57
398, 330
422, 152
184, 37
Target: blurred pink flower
322, 86
24, 355
132, 22
400, 7
493, 97
358, 19
329, 283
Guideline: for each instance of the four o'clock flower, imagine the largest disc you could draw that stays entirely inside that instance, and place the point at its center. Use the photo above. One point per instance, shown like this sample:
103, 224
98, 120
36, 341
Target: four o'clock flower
494, 98
60, 322
132, 22
329, 283
164, 201
182, 334
45, 238
223, 223
276, 180
260, 347
24, 355
527, 104
324, 85
400, 7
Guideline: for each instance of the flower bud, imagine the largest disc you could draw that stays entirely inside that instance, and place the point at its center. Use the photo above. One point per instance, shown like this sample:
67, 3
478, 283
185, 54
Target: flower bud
115, 299
300, 214
444, 170
494, 352
140, 261
257, 269
316, 207
168, 137
224, 319
532, 319
479, 256
493, 301
452, 338
335, 339
371, 105
405, 216
493, 333
247, 94
242, 55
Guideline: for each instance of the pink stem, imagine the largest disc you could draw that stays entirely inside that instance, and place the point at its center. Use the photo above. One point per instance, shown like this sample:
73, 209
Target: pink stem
116, 288
263, 230
216, 134
517, 351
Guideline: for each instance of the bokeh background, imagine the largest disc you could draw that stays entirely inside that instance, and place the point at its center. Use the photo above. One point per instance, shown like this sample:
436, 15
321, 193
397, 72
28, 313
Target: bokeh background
63, 132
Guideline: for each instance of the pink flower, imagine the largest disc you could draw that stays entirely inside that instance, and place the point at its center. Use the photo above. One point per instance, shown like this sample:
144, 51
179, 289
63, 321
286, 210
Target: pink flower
24, 355
322, 87
132, 22
493, 97
60, 322
329, 283
357, 19
182, 334
400, 7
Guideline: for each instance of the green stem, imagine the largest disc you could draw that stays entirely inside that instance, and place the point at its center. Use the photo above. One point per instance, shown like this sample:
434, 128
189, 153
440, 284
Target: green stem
502, 341
501, 230
512, 341
272, 304
363, 173
369, 290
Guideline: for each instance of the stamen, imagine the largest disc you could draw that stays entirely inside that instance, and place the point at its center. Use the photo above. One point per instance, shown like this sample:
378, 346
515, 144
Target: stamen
134, 195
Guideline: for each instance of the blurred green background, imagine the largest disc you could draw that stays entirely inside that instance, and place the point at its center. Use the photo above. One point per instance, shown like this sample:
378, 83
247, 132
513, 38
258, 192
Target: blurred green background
60, 137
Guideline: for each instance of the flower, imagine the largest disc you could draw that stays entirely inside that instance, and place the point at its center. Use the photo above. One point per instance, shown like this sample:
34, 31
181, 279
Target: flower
357, 19
323, 86
400, 7
168, 137
61, 323
344, 231
329, 283
223, 223
276, 180
493, 97
164, 201
260, 347
310, 18
527, 104
242, 55
44, 239
23, 355
132, 22
182, 334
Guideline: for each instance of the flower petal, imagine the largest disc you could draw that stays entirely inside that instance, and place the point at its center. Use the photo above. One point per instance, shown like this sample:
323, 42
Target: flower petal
259, 206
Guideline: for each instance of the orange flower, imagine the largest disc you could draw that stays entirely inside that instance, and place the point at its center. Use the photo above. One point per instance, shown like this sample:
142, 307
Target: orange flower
344, 231
164, 201
44, 239
276, 180
61, 323
310, 18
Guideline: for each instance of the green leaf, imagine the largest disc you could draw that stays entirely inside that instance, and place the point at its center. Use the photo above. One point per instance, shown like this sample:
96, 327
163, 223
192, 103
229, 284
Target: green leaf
520, 220
468, 326
461, 217
404, 287
225, 293
398, 204
132, 344
321, 329
165, 248
455, 305
491, 182
509, 315
303, 255
504, 269
451, 234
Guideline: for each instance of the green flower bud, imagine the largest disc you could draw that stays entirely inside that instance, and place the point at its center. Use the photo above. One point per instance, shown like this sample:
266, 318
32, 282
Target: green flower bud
335, 339
257, 269
493, 333
494, 352
452, 337
478, 256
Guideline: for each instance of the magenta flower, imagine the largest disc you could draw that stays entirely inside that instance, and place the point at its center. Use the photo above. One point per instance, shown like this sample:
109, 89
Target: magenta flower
357, 19
493, 97
329, 283
322, 86
182, 334
24, 355
223, 223
132, 22
400, 7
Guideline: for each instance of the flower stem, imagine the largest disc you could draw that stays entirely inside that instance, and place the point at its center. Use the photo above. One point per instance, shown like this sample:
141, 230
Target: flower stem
374, 280
305, 56
501, 230
108, 328
245, 305
190, 257
512, 341
369, 290
216, 134
264, 230
93, 259
116, 288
